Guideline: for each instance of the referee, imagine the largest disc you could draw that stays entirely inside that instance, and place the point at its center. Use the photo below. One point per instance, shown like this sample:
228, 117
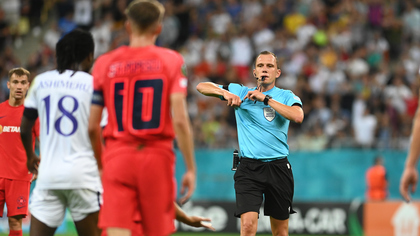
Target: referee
263, 114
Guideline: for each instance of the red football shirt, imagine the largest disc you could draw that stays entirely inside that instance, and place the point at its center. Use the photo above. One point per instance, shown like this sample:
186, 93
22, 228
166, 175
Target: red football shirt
12, 153
135, 85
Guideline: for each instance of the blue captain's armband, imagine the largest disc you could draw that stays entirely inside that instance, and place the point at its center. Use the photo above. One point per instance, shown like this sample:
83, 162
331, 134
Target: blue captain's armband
98, 98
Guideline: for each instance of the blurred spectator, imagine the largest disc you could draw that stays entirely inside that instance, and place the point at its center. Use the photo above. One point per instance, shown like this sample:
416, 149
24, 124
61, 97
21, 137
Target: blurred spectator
171, 27
242, 54
319, 115
375, 14
263, 36
52, 35
220, 20
83, 14
315, 140
364, 127
393, 31
378, 49
66, 23
36, 17
234, 8
4, 31
293, 21
251, 10
397, 93
357, 65
411, 20
101, 32
12, 13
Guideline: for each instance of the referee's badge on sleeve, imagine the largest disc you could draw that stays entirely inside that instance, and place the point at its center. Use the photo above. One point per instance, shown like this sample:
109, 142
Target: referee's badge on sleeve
269, 113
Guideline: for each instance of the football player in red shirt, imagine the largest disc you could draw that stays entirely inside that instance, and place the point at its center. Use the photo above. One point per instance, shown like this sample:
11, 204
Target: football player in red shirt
14, 176
144, 90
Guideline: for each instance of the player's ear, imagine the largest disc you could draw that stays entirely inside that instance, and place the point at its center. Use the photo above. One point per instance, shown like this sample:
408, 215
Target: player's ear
159, 28
128, 26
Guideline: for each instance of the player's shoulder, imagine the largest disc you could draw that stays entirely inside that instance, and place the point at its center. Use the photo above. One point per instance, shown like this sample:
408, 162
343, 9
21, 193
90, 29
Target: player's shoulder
82, 75
109, 56
168, 53
47, 75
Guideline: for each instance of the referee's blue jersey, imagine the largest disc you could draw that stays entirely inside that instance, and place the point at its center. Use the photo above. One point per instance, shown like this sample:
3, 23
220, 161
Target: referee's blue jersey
262, 132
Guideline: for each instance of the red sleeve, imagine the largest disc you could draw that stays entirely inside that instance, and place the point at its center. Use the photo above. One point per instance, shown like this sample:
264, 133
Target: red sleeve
98, 74
180, 82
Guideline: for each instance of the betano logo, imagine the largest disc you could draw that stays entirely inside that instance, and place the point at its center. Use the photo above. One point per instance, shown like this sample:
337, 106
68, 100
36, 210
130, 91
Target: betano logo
9, 129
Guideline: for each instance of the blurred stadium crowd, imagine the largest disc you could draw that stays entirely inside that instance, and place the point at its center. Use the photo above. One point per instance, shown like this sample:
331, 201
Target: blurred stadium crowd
354, 63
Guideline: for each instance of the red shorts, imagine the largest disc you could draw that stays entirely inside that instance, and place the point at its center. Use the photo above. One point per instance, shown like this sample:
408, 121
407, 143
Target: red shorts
137, 231
138, 181
15, 193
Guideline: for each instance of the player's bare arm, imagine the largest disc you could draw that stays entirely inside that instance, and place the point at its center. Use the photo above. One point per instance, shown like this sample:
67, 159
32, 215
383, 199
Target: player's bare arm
410, 175
211, 89
95, 132
195, 221
26, 136
183, 131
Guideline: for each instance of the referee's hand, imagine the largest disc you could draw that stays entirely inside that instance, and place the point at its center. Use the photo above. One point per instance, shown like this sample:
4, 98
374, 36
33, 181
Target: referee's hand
255, 95
232, 99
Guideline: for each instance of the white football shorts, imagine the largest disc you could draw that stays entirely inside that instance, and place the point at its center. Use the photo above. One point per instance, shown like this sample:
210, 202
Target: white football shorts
49, 205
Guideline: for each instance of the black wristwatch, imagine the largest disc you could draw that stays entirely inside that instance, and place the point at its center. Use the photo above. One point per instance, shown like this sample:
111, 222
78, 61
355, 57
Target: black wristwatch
267, 97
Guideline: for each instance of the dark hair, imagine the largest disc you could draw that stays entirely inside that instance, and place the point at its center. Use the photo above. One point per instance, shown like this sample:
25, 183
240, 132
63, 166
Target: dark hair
377, 160
266, 53
145, 13
19, 71
72, 49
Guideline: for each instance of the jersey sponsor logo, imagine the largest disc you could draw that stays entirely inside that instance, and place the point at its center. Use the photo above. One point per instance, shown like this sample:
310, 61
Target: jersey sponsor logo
9, 129
269, 113
133, 67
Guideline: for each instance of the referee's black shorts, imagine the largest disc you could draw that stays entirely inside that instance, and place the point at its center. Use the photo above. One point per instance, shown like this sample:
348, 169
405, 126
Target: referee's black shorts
274, 179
